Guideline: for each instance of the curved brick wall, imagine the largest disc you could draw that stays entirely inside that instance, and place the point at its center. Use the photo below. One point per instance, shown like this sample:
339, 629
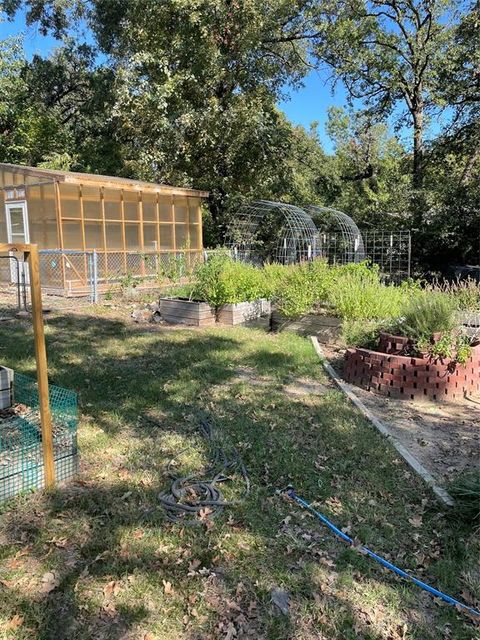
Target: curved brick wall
406, 377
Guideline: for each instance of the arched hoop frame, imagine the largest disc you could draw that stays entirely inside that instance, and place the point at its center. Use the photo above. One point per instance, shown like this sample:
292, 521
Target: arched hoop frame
339, 236
266, 231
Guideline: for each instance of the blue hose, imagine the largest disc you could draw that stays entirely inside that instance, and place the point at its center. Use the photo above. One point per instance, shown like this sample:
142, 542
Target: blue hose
388, 565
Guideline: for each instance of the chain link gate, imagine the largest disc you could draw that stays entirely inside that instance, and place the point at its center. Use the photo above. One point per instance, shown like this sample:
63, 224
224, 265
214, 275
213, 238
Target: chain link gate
68, 272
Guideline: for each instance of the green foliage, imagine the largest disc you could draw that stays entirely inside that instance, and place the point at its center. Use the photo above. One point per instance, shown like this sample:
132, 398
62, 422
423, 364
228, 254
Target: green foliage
464, 293
221, 280
465, 489
427, 313
173, 268
357, 293
362, 333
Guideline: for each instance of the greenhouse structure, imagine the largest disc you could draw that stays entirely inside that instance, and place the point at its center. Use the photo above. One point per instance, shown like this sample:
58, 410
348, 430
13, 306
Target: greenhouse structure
130, 226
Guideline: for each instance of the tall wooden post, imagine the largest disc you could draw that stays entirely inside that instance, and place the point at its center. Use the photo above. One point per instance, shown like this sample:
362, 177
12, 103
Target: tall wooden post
41, 360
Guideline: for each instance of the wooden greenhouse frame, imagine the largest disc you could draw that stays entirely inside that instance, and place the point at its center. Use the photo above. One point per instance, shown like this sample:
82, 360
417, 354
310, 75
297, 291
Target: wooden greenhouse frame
122, 220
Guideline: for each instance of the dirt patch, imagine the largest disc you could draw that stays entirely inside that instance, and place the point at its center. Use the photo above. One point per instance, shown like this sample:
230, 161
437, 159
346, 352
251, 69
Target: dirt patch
445, 438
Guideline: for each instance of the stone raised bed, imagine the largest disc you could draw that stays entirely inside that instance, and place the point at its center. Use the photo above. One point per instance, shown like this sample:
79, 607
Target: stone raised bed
243, 311
184, 311
412, 378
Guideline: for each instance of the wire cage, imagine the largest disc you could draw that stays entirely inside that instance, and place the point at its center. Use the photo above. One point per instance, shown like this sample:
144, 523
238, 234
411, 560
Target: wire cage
266, 231
339, 238
21, 458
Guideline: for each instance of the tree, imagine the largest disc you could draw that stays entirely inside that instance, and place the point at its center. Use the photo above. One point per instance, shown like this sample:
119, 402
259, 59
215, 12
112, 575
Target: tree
371, 170
389, 53
196, 86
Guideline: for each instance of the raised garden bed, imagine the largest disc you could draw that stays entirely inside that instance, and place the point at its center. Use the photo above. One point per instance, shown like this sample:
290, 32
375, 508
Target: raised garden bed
326, 328
412, 378
241, 312
185, 311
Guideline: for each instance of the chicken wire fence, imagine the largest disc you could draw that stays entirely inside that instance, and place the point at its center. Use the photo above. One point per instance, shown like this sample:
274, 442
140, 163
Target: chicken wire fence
21, 453
92, 273
390, 250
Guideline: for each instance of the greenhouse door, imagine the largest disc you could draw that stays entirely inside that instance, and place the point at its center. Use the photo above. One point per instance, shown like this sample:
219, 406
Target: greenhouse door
17, 232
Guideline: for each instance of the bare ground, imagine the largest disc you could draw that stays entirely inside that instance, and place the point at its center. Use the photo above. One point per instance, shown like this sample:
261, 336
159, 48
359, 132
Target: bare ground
445, 437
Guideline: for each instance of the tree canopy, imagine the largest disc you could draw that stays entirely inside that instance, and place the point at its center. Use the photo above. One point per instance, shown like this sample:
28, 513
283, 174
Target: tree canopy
186, 92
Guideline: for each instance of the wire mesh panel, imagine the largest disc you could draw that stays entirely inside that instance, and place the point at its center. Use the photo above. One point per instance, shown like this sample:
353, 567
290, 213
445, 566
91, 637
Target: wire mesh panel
391, 250
21, 458
67, 272
339, 236
266, 231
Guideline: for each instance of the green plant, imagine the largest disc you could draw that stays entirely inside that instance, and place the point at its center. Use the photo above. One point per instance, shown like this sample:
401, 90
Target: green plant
129, 281
359, 295
173, 268
297, 295
361, 333
427, 313
221, 280
465, 489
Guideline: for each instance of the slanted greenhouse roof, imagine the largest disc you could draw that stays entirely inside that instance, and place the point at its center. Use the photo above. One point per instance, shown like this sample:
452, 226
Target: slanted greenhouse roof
73, 177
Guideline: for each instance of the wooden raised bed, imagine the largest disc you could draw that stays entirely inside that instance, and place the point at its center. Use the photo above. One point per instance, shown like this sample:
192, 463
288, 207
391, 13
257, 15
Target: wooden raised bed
326, 328
241, 312
184, 311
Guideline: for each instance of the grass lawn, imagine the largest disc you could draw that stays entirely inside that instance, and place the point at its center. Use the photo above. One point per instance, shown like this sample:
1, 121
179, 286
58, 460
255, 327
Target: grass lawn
121, 571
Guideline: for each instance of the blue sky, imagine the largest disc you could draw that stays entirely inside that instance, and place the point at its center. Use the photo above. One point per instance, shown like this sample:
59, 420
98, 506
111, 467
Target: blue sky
303, 106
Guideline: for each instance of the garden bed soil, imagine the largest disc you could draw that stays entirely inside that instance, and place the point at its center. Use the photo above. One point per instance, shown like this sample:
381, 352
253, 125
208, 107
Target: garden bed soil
445, 438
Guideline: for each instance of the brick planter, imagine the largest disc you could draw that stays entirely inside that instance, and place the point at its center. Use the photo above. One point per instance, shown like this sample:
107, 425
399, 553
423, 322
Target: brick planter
413, 378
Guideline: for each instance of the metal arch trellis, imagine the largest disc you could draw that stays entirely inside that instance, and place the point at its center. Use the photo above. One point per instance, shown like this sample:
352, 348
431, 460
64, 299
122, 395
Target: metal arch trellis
266, 231
339, 237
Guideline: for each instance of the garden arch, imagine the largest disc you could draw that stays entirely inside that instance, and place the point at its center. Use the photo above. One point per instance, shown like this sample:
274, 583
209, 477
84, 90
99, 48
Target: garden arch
266, 231
339, 240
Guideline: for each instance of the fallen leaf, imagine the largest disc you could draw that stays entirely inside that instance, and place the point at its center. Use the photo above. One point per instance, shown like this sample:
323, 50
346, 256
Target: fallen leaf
167, 587
111, 589
50, 581
416, 521
14, 623
231, 631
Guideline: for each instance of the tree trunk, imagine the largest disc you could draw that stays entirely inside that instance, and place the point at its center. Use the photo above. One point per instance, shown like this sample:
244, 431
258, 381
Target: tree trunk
470, 166
417, 114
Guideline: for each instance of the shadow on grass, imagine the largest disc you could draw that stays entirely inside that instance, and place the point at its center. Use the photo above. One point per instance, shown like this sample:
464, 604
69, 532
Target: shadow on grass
115, 530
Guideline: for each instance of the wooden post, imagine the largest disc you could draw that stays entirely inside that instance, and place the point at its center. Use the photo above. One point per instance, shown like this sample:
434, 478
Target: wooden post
41, 360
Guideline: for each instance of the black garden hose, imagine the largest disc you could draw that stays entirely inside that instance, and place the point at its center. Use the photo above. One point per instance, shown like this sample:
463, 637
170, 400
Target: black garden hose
192, 500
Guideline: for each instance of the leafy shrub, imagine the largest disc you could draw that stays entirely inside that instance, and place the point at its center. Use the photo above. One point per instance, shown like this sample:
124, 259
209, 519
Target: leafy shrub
362, 333
465, 489
359, 295
296, 297
464, 293
221, 280
427, 313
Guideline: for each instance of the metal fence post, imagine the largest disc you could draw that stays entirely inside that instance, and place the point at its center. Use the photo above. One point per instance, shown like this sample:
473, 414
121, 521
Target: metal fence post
95, 277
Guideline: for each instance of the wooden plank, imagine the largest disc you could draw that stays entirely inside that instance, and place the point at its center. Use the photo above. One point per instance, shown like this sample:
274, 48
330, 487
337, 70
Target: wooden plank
113, 182
41, 360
